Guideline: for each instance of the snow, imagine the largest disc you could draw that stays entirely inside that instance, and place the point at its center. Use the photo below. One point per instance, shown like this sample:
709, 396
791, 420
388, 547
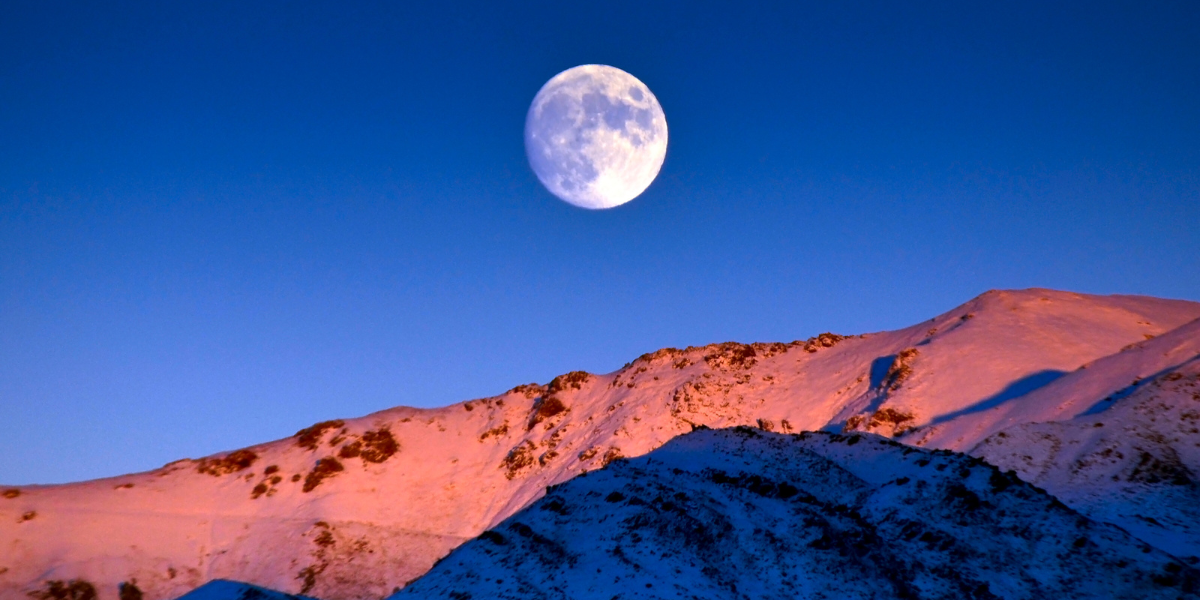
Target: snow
1073, 394
748, 514
1001, 360
221, 589
1134, 462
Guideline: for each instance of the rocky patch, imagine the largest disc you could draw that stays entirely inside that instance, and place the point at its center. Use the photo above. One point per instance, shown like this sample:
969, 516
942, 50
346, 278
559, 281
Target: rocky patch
230, 463
324, 469
310, 437
374, 446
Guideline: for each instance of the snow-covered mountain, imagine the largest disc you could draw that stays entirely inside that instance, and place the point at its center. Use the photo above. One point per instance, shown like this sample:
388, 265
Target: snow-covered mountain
741, 513
357, 508
1118, 439
221, 589
1133, 459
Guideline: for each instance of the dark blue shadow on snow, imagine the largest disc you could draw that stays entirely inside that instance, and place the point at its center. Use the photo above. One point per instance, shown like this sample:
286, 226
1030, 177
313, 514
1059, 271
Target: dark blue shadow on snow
1107, 402
879, 369
224, 589
1015, 389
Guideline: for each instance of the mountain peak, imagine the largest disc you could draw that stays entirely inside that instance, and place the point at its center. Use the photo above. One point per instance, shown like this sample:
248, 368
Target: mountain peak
353, 508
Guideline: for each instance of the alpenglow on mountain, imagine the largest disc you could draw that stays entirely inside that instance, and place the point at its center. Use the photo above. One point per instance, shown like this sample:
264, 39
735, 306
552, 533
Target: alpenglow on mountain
1095, 400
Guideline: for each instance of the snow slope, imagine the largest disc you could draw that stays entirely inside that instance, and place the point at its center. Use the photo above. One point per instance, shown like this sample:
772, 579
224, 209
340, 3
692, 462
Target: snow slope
357, 508
1117, 439
221, 589
740, 513
1133, 461
1091, 388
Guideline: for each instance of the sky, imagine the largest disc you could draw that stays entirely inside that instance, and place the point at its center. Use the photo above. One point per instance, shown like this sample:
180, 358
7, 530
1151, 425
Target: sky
221, 222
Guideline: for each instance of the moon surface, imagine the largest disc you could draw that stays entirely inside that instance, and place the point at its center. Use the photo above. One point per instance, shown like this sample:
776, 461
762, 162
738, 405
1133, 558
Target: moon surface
596, 137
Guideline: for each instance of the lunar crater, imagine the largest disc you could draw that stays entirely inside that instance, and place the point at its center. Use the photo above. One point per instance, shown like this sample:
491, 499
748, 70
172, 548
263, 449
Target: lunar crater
596, 136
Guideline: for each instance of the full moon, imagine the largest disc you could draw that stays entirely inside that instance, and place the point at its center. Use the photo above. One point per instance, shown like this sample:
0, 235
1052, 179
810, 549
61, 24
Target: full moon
596, 137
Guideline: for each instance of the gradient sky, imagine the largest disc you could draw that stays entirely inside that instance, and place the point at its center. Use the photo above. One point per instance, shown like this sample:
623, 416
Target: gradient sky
222, 222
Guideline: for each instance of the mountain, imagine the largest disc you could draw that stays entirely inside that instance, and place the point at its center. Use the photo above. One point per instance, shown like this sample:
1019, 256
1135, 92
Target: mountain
221, 589
357, 508
1089, 389
740, 513
1117, 439
1133, 459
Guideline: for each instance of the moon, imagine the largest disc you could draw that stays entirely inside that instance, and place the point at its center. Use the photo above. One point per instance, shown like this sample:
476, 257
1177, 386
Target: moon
595, 136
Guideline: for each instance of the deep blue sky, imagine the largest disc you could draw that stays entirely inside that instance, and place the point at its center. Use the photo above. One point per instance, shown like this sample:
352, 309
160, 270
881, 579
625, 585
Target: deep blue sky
221, 222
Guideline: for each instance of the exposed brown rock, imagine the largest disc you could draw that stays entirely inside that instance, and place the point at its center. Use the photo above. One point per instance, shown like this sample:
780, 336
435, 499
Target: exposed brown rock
310, 437
230, 463
325, 468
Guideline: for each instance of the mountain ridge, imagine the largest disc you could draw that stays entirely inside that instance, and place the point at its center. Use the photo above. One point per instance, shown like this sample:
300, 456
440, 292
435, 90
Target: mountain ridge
366, 505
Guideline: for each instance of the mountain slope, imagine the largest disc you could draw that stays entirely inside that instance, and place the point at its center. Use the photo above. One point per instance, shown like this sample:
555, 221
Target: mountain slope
221, 589
747, 514
1134, 462
356, 508
1090, 388
1117, 439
